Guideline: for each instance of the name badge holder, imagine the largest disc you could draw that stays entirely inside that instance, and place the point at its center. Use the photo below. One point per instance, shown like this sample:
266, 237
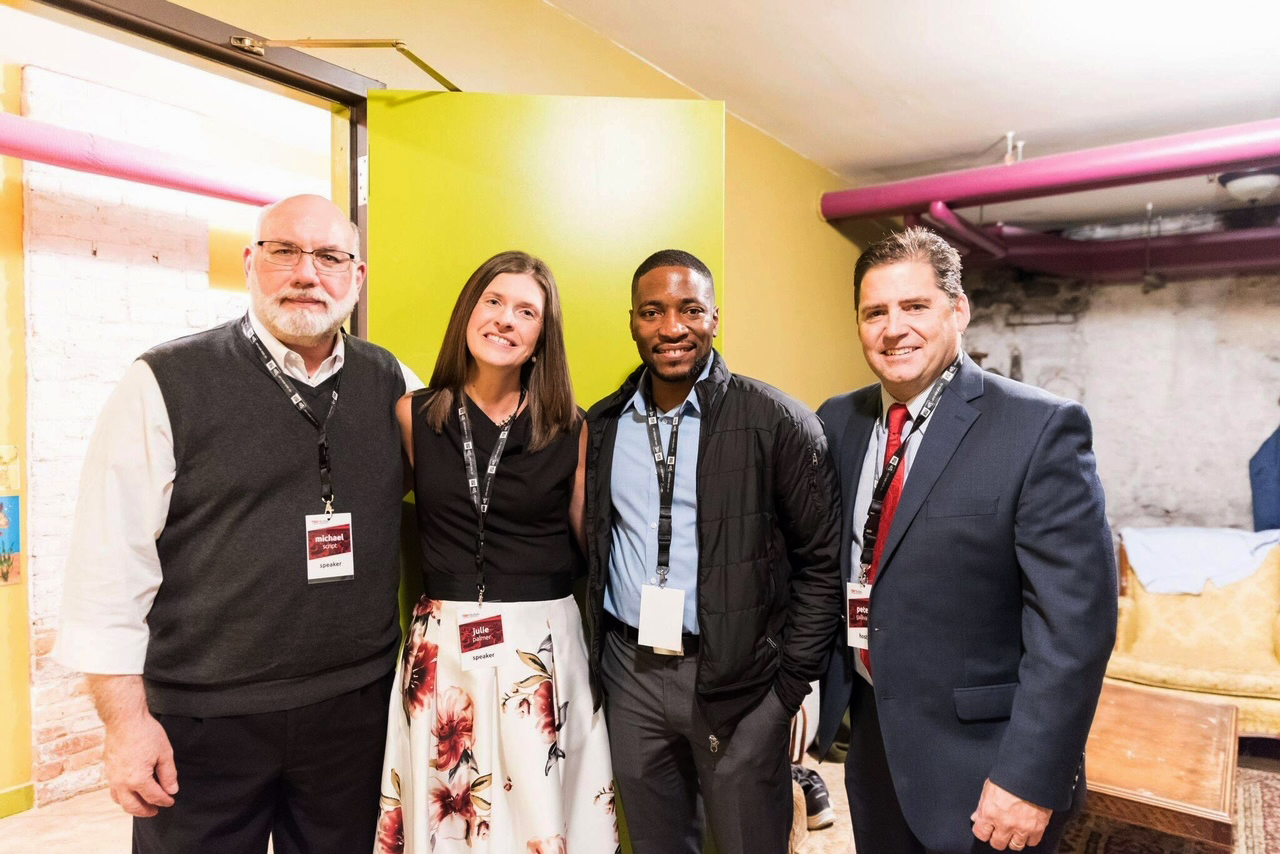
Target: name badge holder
480, 631
662, 609
329, 544
858, 593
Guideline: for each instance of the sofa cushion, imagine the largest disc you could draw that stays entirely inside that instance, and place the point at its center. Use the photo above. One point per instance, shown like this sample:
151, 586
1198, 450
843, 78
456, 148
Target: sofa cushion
1221, 641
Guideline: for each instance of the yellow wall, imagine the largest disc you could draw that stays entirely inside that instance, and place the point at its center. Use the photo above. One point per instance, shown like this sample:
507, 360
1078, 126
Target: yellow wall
16, 792
789, 273
586, 184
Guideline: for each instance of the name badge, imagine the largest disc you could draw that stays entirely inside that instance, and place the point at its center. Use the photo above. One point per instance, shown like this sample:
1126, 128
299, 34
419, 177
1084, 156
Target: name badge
662, 618
330, 553
481, 639
858, 597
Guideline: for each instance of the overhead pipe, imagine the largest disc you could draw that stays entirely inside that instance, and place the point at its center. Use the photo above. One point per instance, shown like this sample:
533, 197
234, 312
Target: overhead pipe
1247, 146
1023, 236
41, 142
916, 220
1244, 250
954, 225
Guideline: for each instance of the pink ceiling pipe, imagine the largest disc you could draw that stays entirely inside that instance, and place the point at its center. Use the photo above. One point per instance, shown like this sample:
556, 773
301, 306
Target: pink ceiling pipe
45, 143
1243, 250
914, 220
954, 225
1237, 147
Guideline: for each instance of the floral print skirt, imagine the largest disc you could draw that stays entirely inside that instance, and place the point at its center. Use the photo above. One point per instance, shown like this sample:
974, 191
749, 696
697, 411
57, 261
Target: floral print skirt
499, 759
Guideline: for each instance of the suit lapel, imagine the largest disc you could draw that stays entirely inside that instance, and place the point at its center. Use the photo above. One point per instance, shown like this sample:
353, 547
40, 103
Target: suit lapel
946, 430
853, 450
857, 433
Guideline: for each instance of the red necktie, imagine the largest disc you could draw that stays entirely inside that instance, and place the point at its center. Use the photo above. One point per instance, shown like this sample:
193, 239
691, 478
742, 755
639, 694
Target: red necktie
897, 420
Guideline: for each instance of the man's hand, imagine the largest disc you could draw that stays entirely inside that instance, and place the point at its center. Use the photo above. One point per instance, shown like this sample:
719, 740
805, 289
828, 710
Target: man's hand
138, 756
1003, 819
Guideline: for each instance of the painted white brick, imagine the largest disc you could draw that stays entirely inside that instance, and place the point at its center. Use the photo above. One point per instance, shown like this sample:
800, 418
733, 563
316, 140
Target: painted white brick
70, 784
1173, 361
39, 179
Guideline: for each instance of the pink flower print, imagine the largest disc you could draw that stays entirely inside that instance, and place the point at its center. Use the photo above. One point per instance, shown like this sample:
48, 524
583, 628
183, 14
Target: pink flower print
426, 608
419, 677
451, 809
454, 728
605, 797
549, 845
544, 710
482, 829
390, 838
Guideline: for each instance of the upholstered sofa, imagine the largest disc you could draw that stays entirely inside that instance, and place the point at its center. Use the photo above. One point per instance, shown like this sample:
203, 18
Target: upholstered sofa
1222, 644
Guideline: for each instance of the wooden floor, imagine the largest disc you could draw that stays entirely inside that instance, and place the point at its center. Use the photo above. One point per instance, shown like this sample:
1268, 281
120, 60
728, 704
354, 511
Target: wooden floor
89, 822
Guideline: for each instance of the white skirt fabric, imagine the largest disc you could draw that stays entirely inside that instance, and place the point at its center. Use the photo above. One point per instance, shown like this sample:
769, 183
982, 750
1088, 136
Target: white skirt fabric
500, 759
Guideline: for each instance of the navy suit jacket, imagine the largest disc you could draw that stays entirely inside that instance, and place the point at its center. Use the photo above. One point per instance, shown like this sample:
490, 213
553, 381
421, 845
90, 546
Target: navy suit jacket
1264, 477
994, 610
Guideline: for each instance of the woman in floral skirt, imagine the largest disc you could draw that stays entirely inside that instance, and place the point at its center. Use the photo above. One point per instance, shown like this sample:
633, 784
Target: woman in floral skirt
492, 744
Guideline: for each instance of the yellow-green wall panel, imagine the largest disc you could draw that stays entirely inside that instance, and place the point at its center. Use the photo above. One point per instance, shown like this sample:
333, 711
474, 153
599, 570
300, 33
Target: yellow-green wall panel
590, 185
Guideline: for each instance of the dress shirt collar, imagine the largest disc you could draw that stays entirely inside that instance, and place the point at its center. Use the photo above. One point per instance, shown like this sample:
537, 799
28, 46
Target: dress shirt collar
637, 399
291, 362
914, 405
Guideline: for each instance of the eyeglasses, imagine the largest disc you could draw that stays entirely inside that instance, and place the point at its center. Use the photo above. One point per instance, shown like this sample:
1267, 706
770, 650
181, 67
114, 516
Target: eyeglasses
283, 254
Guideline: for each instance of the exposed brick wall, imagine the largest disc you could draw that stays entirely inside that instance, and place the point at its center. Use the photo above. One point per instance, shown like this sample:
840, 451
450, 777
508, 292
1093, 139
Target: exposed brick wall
1181, 383
112, 268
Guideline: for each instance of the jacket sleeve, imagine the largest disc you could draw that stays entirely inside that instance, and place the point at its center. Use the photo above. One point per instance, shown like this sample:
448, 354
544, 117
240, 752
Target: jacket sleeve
1067, 565
807, 503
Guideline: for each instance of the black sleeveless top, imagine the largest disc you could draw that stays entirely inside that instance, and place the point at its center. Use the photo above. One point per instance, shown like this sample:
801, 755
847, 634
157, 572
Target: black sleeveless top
530, 552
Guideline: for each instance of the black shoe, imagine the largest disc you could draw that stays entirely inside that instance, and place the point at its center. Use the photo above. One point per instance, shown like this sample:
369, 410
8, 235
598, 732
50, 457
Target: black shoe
817, 803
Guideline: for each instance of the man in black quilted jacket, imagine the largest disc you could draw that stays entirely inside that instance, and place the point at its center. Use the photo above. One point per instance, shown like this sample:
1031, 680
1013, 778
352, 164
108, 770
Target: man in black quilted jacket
714, 588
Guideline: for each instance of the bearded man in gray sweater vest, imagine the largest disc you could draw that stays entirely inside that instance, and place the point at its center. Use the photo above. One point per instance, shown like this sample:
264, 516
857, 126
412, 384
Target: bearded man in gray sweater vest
231, 582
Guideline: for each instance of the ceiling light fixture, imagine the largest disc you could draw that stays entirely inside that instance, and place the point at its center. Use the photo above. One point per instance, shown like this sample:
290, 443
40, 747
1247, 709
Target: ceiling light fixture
1251, 186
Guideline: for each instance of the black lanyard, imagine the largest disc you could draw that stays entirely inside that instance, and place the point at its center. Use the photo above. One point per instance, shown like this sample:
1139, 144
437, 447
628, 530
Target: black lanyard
666, 466
872, 528
326, 480
480, 492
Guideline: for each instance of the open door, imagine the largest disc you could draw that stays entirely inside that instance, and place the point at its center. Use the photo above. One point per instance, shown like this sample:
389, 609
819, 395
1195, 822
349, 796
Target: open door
590, 185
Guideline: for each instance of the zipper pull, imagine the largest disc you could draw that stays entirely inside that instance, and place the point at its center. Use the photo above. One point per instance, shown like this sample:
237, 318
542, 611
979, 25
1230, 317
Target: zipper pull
715, 743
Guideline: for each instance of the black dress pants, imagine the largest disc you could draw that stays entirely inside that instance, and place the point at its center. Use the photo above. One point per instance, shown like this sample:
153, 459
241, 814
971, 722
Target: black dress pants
668, 779
308, 778
879, 826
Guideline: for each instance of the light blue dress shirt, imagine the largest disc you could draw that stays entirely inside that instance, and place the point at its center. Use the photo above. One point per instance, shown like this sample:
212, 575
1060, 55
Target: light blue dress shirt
873, 465
633, 554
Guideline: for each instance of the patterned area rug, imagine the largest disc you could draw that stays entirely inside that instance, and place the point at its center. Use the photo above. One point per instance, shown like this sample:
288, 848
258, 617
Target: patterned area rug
1257, 817
1257, 826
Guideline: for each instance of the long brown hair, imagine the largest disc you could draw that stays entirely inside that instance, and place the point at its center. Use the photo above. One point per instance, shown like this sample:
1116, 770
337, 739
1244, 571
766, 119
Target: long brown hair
545, 375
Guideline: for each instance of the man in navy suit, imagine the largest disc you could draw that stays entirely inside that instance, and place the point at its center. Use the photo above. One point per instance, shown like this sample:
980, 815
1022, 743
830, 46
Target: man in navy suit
976, 541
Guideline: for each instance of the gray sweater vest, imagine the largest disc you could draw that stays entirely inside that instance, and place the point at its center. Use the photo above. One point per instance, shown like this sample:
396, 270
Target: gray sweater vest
235, 627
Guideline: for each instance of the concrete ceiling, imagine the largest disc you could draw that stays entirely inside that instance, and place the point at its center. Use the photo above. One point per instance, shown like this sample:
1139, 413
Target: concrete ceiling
878, 91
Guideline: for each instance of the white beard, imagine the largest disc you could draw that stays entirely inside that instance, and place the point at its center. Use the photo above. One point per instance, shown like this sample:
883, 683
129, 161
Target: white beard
296, 325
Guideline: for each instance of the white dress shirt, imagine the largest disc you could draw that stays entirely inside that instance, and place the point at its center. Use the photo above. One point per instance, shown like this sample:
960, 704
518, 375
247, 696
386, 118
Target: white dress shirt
113, 566
873, 465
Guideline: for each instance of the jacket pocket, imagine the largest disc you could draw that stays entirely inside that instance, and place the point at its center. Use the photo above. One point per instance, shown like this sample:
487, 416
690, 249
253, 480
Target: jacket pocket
985, 702
940, 507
